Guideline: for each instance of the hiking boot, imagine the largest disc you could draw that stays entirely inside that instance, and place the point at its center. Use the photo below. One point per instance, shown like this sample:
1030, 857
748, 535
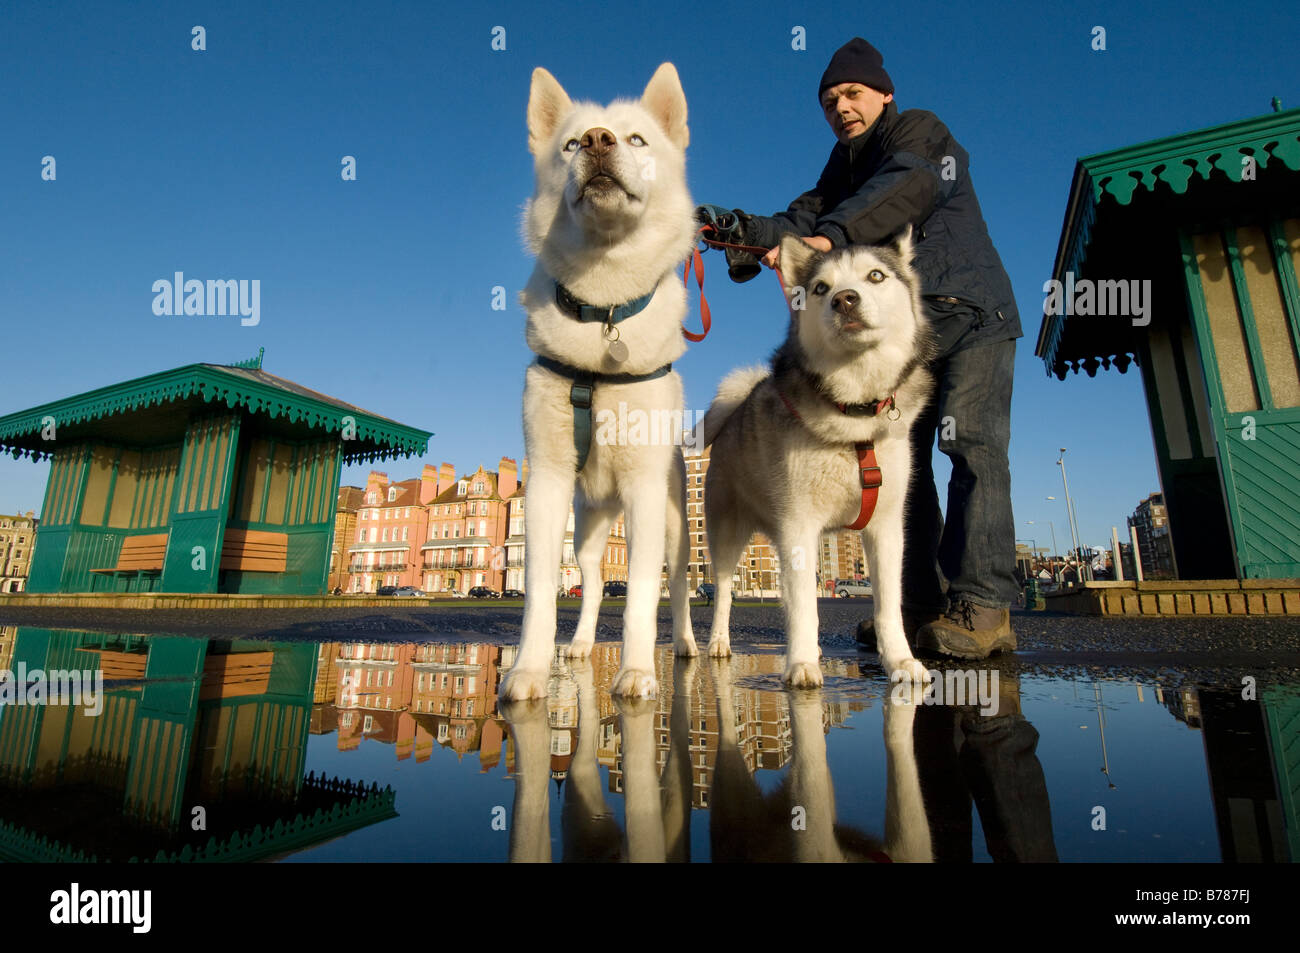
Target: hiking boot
913, 619
968, 630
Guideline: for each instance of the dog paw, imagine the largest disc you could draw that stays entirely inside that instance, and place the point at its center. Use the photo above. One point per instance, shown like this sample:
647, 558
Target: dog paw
686, 648
905, 670
634, 683
803, 675
720, 648
578, 648
521, 684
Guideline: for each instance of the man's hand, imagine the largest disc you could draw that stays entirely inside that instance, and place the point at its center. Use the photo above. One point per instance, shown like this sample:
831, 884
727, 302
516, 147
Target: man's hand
819, 242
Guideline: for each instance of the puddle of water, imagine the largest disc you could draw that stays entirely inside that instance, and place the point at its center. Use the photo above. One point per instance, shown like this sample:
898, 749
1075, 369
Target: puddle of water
399, 751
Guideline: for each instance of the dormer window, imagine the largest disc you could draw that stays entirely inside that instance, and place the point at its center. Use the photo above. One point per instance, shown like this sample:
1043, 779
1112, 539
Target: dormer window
392, 493
462, 488
478, 487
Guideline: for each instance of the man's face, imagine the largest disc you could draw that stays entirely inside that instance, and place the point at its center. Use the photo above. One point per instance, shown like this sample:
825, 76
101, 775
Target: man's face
851, 108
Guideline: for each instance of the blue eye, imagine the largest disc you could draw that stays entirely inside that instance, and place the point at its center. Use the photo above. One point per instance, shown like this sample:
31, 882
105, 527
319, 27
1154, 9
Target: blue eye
571, 145
636, 140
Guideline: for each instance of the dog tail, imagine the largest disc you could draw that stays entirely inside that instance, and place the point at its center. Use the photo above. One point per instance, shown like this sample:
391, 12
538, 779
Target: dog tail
733, 390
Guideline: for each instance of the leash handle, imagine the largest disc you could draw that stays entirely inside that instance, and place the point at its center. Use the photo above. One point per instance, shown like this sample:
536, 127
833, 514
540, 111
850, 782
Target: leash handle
706, 318
752, 249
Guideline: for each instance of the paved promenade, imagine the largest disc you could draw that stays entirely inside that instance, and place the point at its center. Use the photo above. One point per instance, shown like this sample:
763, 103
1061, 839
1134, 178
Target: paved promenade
1218, 651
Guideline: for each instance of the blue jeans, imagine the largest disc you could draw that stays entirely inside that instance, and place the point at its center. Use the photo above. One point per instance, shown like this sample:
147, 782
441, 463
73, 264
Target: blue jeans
972, 553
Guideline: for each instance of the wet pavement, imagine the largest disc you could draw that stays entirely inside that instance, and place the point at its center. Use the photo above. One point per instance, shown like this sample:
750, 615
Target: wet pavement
377, 736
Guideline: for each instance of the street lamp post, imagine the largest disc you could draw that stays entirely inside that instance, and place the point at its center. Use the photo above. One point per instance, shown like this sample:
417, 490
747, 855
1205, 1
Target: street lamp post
1054, 549
1069, 512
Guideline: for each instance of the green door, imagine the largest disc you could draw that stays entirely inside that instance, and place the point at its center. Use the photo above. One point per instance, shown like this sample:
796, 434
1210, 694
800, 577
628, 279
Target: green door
1242, 293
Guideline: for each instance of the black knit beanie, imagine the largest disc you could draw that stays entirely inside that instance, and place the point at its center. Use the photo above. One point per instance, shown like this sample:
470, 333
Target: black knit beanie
857, 61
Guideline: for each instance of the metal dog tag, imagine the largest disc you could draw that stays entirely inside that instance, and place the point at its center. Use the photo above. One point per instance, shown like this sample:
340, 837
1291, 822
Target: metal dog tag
617, 350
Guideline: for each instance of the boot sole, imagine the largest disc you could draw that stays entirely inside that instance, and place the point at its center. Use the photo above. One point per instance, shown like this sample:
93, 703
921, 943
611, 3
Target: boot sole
1005, 643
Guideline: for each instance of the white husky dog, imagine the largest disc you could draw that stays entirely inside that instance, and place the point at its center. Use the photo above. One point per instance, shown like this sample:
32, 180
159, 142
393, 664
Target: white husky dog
790, 444
609, 221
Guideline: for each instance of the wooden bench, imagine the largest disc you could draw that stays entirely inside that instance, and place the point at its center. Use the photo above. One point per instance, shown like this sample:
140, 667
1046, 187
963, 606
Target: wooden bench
119, 665
236, 674
140, 554
224, 676
255, 550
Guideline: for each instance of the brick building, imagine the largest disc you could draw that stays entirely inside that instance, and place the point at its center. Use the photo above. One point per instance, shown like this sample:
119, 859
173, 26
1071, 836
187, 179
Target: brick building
391, 522
345, 531
17, 539
1151, 520
468, 525
841, 557
757, 571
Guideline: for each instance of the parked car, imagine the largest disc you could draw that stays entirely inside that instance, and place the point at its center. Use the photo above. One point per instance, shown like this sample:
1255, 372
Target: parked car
512, 594
616, 588
453, 593
852, 587
408, 591
576, 591
483, 592
386, 591
706, 590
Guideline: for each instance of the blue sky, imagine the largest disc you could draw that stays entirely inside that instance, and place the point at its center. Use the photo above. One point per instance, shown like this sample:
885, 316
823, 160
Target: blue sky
225, 164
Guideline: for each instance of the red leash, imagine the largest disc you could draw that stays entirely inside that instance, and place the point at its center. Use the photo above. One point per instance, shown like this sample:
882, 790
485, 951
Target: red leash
697, 262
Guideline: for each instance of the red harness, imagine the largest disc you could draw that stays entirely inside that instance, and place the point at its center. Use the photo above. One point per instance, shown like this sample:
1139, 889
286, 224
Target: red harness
868, 470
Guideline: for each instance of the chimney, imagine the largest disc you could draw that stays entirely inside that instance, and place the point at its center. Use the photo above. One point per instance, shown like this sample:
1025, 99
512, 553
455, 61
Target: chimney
507, 480
523, 473
446, 477
376, 480
428, 484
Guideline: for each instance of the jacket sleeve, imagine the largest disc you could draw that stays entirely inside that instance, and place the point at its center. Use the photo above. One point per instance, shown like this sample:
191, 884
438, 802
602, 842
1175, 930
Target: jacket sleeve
801, 218
904, 191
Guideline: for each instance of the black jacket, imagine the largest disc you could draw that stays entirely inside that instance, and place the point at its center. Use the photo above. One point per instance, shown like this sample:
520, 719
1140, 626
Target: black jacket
908, 169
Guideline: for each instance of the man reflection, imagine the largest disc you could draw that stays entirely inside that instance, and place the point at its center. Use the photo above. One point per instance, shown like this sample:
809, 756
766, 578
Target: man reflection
965, 756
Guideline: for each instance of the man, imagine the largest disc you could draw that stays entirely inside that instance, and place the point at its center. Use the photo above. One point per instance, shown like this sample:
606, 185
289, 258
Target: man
890, 170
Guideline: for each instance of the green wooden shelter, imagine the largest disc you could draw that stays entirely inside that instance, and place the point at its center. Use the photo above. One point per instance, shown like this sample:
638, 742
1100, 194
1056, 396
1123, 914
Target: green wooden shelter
1203, 231
207, 478
182, 723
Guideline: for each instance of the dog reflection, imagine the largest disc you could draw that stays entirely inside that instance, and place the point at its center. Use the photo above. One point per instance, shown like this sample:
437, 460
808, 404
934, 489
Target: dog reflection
796, 822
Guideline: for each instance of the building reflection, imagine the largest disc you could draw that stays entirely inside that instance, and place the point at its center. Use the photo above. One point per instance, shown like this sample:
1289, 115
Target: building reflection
1252, 751
198, 753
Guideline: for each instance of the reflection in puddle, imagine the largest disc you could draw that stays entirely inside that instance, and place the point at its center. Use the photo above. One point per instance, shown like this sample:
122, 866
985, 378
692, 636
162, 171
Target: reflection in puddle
216, 750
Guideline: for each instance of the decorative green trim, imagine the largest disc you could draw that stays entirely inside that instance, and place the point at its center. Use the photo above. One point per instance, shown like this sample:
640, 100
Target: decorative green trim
112, 485
1173, 161
266, 483
1286, 278
377, 438
1218, 402
1246, 313
253, 363
223, 502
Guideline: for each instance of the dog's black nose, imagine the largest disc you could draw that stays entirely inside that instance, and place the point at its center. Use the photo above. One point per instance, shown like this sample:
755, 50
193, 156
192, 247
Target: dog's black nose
598, 141
845, 301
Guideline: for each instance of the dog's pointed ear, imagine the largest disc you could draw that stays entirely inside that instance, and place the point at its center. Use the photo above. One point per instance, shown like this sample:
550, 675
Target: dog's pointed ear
547, 105
797, 261
663, 98
906, 248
